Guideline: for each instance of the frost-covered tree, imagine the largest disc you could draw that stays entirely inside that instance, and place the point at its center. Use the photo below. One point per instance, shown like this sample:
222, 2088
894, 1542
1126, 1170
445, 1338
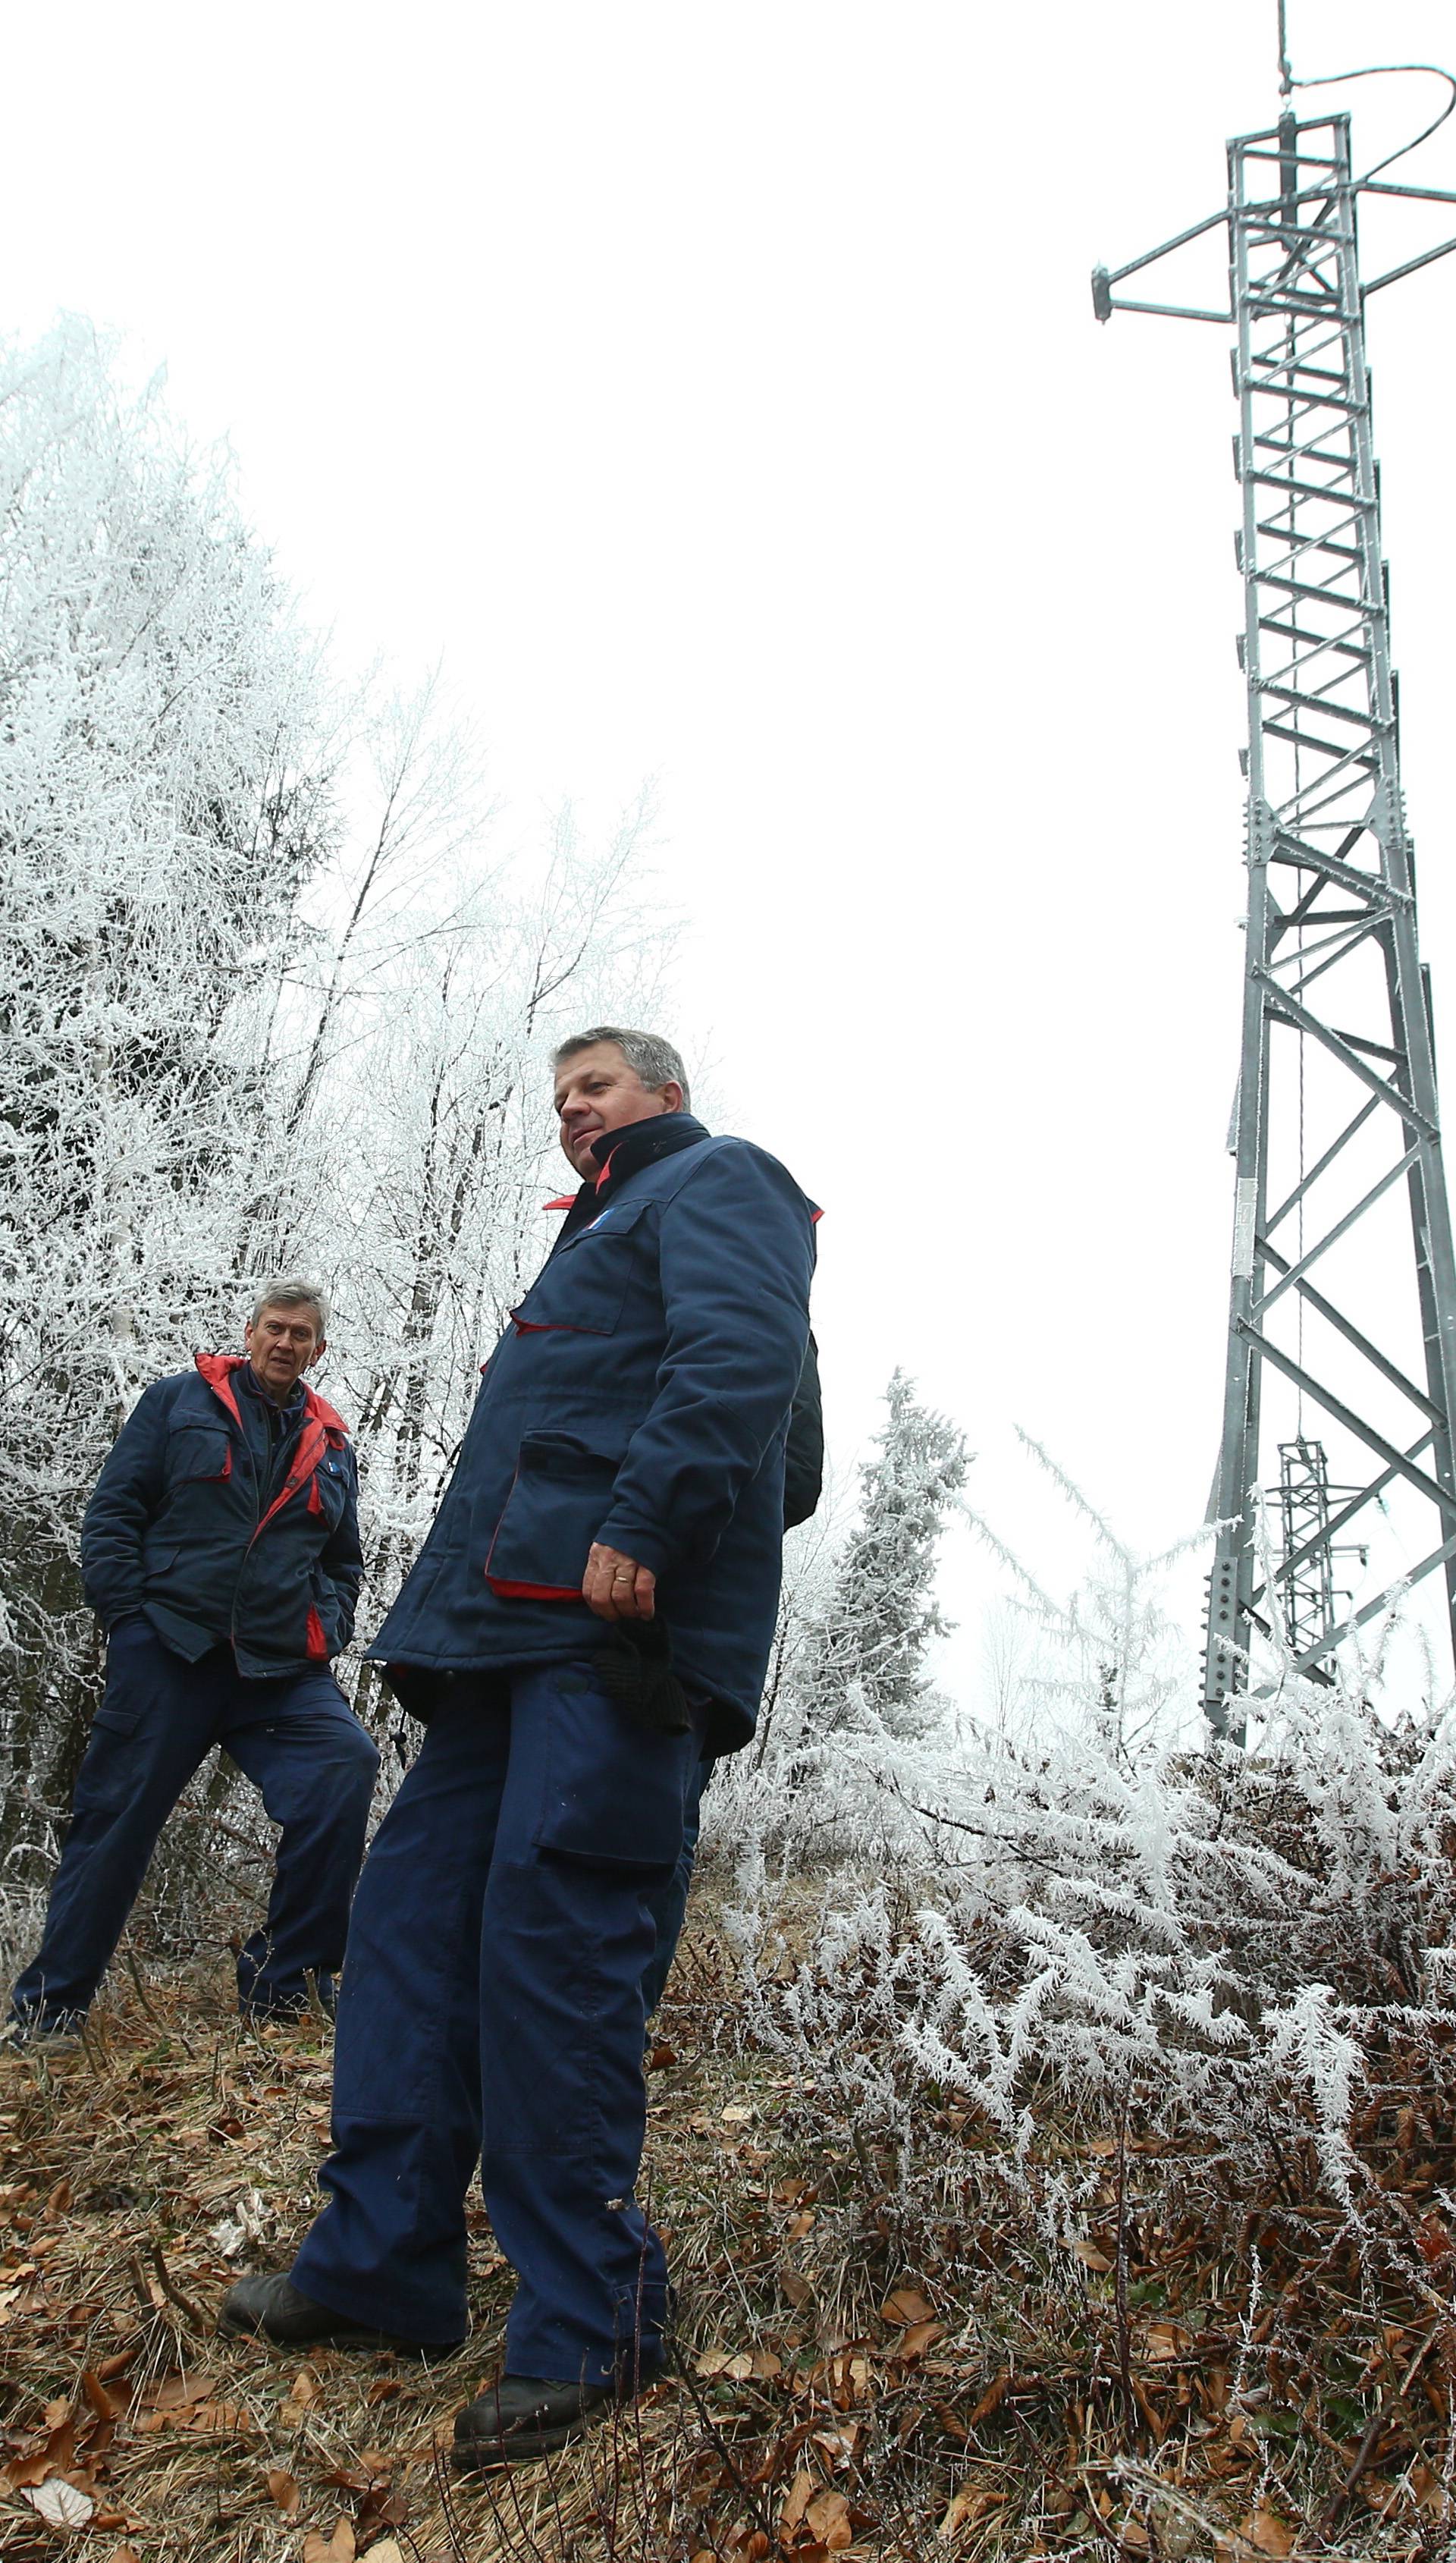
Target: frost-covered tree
431, 1217
849, 1698
166, 790
868, 1652
273, 998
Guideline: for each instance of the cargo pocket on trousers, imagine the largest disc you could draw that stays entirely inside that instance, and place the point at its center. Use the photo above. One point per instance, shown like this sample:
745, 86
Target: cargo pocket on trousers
560, 1497
123, 1700
119, 1713
615, 1794
123, 1720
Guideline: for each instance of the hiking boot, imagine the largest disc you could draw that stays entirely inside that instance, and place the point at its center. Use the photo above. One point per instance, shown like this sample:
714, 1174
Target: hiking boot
271, 2303
31, 2033
522, 2417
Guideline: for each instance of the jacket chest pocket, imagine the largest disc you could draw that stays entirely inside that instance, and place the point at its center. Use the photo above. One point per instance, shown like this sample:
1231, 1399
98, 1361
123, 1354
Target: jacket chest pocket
329, 1490
584, 1287
195, 1452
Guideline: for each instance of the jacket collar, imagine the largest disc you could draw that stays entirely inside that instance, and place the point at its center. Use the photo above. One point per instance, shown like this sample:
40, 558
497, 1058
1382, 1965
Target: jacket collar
244, 1377
641, 1143
217, 1370
627, 1151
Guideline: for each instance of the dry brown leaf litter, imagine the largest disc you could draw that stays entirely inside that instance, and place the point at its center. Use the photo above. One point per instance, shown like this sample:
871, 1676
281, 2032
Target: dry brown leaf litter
1214, 2368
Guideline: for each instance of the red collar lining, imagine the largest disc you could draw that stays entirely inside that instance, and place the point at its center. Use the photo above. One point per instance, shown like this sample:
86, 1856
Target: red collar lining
216, 1369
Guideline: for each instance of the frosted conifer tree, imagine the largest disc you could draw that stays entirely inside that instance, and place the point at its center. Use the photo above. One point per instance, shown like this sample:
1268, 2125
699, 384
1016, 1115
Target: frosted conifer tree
863, 1657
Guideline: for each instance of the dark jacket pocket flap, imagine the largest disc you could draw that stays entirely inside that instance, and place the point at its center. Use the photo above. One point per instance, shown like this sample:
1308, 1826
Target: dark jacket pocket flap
584, 1284
564, 1455
617, 1220
197, 1451
560, 1496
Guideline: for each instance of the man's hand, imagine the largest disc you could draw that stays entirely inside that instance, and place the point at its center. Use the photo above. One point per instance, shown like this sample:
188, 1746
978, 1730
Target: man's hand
615, 1587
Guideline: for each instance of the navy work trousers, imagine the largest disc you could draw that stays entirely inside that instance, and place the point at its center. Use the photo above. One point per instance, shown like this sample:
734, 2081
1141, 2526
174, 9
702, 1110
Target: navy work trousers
297, 1740
492, 2008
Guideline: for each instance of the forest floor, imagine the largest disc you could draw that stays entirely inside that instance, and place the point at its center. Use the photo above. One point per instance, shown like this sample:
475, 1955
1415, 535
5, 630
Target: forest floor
1198, 2373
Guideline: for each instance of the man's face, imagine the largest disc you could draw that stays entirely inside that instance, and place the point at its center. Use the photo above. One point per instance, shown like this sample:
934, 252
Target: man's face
280, 1343
596, 1092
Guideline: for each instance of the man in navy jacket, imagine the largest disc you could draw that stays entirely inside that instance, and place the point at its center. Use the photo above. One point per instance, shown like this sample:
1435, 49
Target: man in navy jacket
594, 1607
221, 1552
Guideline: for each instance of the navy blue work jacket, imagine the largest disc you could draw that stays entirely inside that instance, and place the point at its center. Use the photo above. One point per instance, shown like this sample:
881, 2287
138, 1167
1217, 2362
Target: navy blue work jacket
197, 1525
639, 1397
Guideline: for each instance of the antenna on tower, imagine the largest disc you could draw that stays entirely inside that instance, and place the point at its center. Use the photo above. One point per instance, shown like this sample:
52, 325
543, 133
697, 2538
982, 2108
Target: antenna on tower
1339, 1305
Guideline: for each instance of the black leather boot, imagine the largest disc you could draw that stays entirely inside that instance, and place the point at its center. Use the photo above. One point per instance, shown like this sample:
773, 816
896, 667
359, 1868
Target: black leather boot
520, 2416
271, 2303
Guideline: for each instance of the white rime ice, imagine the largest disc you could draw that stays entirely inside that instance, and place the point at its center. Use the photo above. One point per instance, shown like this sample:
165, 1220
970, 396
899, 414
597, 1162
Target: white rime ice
1089, 1908
279, 994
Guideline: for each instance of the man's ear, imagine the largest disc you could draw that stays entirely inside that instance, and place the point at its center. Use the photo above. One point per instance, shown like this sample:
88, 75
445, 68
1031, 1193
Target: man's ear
671, 1095
319, 1349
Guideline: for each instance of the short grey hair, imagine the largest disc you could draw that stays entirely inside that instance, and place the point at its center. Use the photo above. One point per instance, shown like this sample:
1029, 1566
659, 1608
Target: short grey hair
292, 1293
654, 1057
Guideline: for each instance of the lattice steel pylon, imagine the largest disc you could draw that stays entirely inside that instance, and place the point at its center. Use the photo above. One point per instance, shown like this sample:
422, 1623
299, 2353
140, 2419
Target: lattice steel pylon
1337, 1022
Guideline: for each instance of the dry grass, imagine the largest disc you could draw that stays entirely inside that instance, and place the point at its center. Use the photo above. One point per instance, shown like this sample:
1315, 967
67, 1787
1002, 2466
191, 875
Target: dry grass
870, 2363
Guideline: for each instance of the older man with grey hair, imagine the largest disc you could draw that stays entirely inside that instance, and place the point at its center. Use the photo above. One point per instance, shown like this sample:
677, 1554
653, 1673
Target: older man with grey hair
221, 1552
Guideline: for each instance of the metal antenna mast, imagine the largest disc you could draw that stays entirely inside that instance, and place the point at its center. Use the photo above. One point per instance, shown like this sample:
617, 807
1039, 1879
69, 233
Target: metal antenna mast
1336, 1291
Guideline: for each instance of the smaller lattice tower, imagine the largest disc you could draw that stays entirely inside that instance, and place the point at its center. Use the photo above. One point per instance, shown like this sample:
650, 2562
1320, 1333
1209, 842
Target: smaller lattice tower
1308, 1553
1343, 1290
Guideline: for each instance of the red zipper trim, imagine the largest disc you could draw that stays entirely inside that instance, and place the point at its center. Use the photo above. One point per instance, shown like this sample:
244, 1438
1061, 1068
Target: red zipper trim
312, 1443
320, 1423
321, 1428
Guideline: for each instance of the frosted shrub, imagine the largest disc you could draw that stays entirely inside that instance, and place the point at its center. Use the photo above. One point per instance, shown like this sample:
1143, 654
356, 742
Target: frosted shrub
1102, 1914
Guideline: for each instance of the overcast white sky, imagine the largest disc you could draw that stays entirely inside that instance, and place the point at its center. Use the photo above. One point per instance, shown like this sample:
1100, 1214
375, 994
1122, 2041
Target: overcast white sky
717, 389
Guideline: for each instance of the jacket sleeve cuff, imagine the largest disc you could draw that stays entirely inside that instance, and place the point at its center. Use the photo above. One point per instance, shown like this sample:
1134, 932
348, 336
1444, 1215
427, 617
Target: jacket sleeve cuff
637, 1541
112, 1599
